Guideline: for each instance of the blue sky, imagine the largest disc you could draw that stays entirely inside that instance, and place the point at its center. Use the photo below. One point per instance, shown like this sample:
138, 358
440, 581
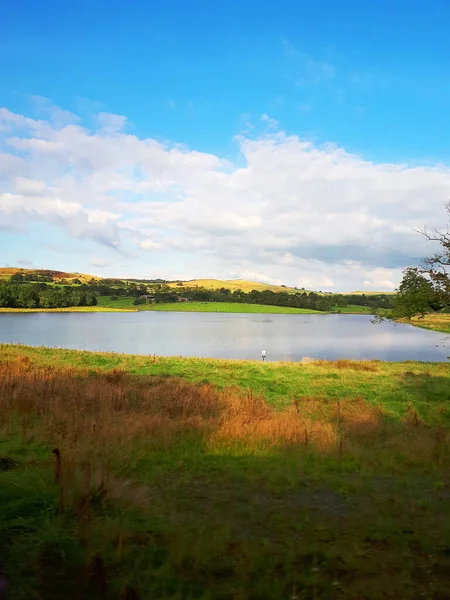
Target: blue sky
348, 99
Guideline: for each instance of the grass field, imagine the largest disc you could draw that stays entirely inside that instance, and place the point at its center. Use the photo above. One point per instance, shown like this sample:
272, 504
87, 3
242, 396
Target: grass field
120, 303
105, 304
225, 307
354, 309
369, 293
60, 276
436, 321
228, 307
69, 309
234, 284
207, 479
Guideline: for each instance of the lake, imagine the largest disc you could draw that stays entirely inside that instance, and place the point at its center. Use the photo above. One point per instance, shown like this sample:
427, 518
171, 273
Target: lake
242, 336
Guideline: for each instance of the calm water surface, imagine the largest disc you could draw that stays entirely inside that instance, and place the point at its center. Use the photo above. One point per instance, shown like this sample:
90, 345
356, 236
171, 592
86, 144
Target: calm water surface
284, 337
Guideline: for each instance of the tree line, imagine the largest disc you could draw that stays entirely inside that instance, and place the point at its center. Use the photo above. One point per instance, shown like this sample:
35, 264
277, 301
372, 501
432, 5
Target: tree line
426, 288
308, 300
41, 295
21, 293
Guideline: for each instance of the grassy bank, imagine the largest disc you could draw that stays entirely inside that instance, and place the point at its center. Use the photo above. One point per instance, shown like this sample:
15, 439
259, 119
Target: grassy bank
436, 321
354, 309
70, 309
207, 479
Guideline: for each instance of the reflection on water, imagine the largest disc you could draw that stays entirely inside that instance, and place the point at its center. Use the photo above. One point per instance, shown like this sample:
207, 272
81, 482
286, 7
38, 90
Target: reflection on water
284, 337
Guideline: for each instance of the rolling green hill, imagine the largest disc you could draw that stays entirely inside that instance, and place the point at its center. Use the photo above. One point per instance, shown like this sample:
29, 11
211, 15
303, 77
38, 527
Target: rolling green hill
59, 276
63, 277
235, 284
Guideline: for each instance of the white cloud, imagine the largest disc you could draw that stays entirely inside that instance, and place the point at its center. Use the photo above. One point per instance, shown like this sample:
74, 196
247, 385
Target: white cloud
99, 263
271, 123
149, 245
55, 114
110, 123
78, 221
29, 187
288, 210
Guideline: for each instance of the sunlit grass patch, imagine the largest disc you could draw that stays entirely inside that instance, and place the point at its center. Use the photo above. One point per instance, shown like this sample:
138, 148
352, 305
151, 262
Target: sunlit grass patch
436, 321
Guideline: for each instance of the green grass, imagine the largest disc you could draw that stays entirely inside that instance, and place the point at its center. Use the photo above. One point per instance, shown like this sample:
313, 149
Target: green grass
225, 307
381, 383
354, 309
62, 276
120, 303
105, 303
164, 497
228, 307
69, 309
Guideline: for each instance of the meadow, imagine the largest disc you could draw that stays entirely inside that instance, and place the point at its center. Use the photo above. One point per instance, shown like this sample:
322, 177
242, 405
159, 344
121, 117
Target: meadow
83, 309
234, 284
228, 307
145, 477
436, 321
106, 303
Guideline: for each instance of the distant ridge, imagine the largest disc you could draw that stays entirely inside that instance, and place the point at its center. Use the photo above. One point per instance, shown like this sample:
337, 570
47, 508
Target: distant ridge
367, 293
6, 272
210, 284
236, 284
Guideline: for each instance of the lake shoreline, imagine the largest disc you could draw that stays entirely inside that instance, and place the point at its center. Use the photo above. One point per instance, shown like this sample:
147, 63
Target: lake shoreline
434, 322
196, 366
110, 359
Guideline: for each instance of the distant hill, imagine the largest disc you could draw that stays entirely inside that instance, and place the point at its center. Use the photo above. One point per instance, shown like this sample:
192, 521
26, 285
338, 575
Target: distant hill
366, 293
59, 276
209, 284
235, 284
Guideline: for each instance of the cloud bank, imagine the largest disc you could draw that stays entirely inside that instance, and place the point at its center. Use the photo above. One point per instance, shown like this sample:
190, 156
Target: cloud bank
285, 210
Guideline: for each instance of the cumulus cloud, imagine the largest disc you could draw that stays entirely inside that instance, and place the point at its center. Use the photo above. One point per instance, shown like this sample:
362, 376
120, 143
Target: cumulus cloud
59, 117
149, 245
99, 262
270, 122
111, 123
288, 211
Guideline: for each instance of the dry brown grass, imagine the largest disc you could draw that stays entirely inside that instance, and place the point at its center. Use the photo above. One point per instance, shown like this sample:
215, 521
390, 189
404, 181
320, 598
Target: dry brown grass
233, 284
344, 364
436, 321
95, 418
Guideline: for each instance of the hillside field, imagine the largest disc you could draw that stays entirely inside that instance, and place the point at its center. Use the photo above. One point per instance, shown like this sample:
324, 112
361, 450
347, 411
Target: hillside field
228, 307
61, 277
234, 284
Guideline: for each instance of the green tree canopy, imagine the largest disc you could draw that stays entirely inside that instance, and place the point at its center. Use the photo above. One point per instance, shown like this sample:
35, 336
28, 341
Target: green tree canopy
426, 288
